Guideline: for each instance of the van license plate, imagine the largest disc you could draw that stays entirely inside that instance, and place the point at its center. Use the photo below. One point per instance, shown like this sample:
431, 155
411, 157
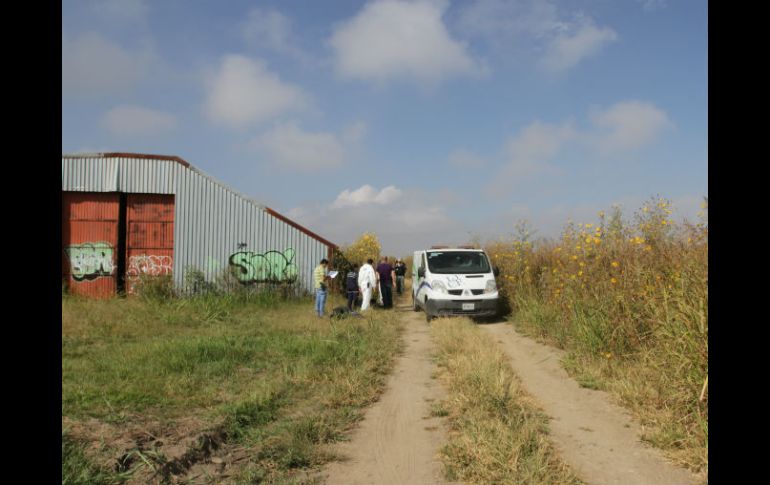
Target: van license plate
468, 306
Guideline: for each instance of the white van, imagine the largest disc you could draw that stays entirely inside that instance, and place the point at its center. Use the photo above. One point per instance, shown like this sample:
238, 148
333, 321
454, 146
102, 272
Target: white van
454, 281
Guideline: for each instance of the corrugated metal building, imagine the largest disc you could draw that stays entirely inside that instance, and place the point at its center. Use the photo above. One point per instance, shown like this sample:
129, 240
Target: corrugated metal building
127, 214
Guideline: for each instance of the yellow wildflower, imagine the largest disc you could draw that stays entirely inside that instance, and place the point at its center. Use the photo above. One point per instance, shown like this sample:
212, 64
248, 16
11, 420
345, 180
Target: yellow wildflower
613, 280
615, 264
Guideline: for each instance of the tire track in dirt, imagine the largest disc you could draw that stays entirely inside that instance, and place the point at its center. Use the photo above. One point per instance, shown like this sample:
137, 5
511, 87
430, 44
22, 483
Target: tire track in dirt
398, 441
597, 438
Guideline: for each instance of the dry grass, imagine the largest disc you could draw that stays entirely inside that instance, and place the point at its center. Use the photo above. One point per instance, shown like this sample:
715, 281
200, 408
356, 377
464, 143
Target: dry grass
629, 302
497, 435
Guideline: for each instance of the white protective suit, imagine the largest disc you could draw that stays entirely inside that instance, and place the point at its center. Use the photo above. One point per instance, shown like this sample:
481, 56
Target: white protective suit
366, 281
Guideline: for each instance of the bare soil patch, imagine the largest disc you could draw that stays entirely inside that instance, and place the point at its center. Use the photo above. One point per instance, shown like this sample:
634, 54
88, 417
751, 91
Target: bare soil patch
398, 441
596, 437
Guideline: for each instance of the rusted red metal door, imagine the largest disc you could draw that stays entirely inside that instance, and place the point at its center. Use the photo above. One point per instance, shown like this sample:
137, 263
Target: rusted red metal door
90, 242
150, 241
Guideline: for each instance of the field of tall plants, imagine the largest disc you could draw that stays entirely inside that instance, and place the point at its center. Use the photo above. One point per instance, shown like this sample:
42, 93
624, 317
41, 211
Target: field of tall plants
628, 301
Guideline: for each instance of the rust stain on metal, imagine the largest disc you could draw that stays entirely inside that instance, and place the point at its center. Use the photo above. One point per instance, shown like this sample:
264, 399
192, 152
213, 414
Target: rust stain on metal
150, 236
89, 242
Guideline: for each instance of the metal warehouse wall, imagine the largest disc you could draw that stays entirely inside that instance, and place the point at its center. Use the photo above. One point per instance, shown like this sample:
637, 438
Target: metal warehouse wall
214, 226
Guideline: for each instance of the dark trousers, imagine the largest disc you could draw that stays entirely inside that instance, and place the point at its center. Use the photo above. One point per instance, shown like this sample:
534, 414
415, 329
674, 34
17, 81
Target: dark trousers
387, 294
351, 299
399, 284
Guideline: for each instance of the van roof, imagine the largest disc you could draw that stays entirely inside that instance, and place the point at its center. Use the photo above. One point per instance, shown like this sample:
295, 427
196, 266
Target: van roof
448, 248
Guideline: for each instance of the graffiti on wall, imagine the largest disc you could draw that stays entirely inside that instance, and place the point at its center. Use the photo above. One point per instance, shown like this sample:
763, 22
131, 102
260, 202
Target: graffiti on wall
272, 266
150, 265
89, 261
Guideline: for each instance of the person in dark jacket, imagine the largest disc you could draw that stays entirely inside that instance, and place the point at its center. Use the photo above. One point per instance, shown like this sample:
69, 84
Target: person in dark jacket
385, 275
351, 286
400, 270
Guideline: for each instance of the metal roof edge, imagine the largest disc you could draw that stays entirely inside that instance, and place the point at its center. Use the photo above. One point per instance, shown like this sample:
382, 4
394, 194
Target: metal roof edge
212, 179
300, 228
146, 156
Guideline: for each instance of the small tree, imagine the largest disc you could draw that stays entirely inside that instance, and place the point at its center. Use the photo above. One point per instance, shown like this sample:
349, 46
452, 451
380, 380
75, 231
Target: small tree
367, 246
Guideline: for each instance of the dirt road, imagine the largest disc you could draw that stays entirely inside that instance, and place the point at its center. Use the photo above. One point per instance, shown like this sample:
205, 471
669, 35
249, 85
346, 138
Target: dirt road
596, 438
398, 441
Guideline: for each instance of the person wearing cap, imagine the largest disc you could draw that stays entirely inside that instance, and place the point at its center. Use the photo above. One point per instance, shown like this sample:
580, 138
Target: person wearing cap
400, 270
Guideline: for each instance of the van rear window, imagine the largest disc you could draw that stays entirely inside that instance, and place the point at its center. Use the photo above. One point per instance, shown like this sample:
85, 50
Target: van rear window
457, 262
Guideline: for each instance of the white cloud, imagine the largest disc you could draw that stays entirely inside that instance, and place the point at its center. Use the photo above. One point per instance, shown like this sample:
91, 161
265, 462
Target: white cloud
366, 194
651, 5
561, 39
496, 19
628, 125
395, 39
137, 121
465, 159
93, 65
530, 151
354, 133
288, 146
268, 28
568, 49
244, 91
404, 220
122, 9
617, 130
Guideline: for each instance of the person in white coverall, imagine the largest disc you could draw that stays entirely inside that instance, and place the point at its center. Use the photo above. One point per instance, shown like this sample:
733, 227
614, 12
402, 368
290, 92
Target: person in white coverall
366, 281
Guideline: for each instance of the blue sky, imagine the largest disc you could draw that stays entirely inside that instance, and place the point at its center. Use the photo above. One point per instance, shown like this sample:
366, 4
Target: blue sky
426, 121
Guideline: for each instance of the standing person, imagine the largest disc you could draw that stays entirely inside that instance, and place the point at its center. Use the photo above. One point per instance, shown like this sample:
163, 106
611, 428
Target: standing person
386, 277
320, 277
366, 282
351, 285
400, 270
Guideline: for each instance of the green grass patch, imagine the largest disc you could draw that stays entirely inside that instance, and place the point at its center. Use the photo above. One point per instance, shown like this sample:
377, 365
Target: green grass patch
264, 375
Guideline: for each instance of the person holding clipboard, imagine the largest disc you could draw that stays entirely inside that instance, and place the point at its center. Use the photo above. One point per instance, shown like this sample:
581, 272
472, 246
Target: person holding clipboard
321, 275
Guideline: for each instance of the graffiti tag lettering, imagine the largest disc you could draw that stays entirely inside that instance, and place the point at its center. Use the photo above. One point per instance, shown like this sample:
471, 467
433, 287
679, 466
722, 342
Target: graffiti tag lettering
272, 266
89, 261
149, 265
